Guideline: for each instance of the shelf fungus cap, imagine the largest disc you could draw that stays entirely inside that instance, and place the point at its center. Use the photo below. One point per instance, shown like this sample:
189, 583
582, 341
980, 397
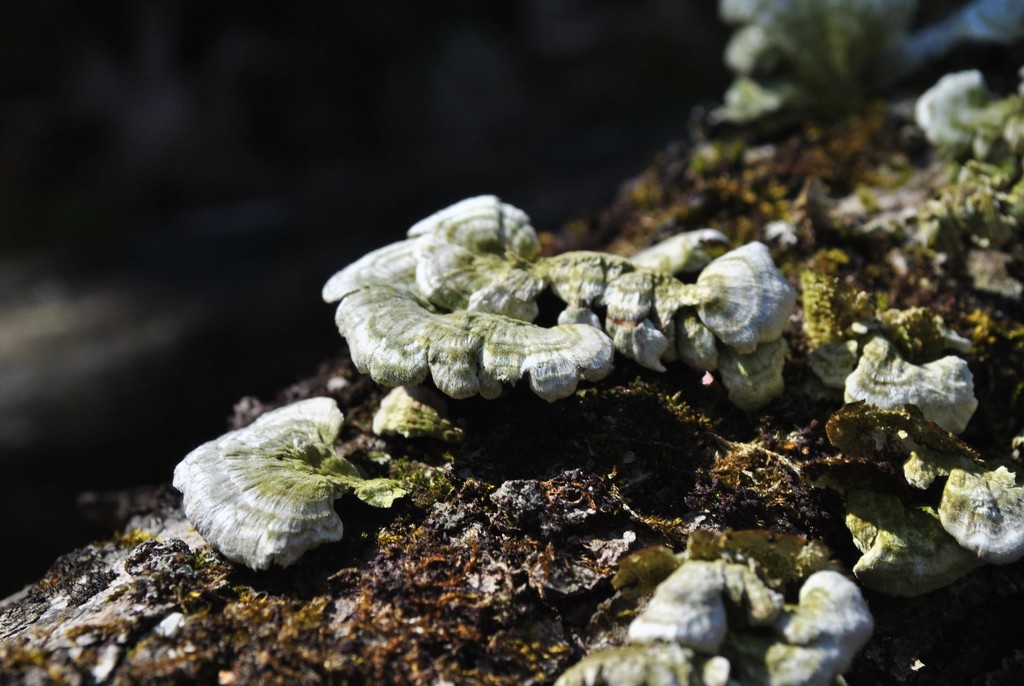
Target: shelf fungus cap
696, 346
943, 389
945, 111
746, 300
755, 379
640, 665
984, 512
822, 634
455, 278
833, 363
482, 224
683, 252
831, 609
393, 264
264, 494
905, 550
400, 342
689, 607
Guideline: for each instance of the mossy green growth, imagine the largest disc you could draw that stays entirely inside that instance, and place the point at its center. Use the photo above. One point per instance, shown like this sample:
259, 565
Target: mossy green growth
427, 484
832, 308
781, 560
835, 312
414, 412
887, 357
640, 572
983, 207
133, 538
917, 333
861, 430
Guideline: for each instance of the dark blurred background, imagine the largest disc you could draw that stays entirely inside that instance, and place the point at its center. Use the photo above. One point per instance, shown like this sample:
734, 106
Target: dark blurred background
178, 179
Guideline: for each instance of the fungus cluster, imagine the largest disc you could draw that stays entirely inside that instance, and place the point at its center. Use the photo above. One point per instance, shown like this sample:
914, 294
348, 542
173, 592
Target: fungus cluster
888, 358
716, 622
913, 545
981, 213
455, 302
984, 209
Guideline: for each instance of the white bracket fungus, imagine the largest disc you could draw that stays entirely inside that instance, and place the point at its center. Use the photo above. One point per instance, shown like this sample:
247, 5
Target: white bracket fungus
905, 550
984, 512
833, 363
819, 637
943, 389
744, 299
683, 252
913, 548
717, 622
689, 607
455, 300
637, 665
959, 116
264, 494
755, 378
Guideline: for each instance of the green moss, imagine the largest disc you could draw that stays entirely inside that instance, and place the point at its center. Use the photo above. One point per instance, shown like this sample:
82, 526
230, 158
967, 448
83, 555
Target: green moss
133, 538
716, 155
831, 308
915, 332
780, 560
998, 364
984, 206
640, 572
427, 484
